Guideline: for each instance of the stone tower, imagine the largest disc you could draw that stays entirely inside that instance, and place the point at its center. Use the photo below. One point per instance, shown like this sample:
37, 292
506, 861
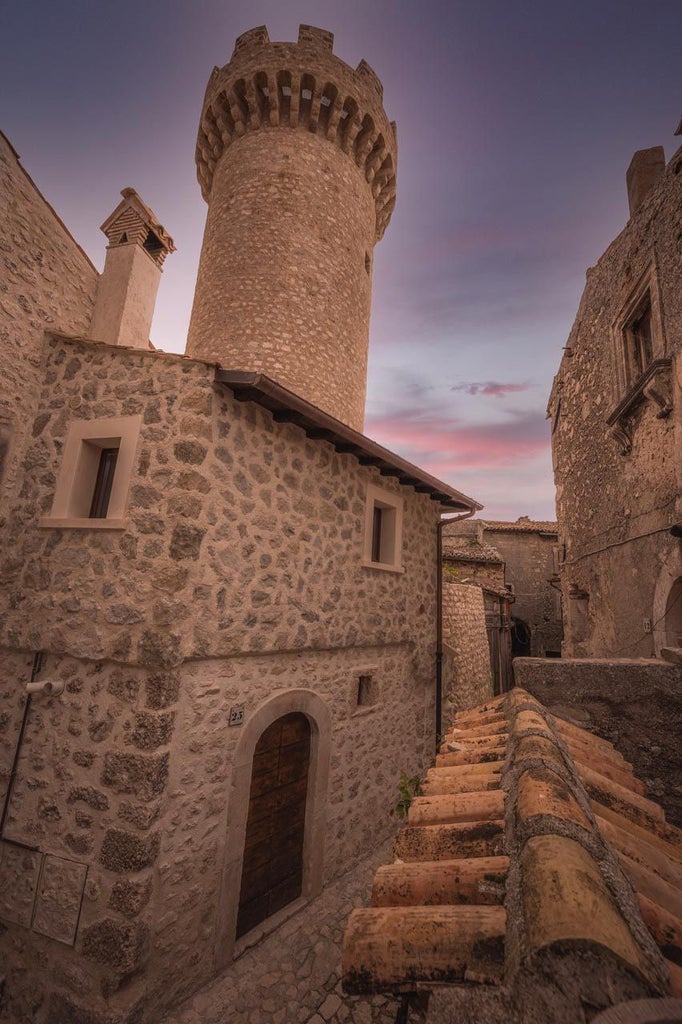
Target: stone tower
297, 162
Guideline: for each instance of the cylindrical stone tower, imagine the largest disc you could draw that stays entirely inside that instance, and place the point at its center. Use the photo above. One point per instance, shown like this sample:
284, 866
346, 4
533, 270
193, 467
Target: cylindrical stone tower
297, 162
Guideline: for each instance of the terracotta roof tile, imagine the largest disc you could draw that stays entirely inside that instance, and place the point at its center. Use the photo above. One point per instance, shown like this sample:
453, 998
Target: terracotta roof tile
522, 525
523, 799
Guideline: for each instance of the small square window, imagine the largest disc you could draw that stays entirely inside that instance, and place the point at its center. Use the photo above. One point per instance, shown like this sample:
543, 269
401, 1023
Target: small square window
366, 692
383, 529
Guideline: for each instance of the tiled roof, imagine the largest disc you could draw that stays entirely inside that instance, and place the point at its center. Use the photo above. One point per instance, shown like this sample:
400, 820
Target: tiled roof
470, 551
533, 868
522, 525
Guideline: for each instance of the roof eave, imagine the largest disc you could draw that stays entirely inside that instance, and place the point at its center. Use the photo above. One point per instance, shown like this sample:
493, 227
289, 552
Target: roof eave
287, 407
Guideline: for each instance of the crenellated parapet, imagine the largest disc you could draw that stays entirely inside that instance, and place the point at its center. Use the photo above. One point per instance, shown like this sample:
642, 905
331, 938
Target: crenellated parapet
301, 86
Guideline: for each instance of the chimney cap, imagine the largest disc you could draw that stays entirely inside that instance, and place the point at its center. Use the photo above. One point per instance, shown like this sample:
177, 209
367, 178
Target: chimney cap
133, 221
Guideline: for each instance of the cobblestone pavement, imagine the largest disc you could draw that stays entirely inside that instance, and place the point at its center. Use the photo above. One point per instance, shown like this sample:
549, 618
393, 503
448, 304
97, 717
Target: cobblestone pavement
293, 976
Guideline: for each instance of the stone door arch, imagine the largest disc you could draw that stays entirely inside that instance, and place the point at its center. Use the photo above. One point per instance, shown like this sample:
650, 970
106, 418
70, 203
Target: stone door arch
284, 702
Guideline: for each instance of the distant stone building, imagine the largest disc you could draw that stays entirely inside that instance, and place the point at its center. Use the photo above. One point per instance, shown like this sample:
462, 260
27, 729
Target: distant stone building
515, 563
219, 598
616, 410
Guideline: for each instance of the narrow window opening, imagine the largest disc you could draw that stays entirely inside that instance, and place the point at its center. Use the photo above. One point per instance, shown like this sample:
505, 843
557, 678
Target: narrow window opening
376, 533
152, 245
639, 345
123, 238
103, 483
366, 696
368, 262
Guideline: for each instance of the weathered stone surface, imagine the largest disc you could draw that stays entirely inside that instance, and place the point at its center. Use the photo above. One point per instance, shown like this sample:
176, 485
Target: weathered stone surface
89, 795
467, 679
144, 775
127, 852
59, 898
115, 944
19, 871
162, 689
190, 451
152, 730
130, 897
186, 542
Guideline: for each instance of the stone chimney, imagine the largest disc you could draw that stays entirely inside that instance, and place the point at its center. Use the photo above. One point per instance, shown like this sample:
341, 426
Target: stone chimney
645, 170
127, 287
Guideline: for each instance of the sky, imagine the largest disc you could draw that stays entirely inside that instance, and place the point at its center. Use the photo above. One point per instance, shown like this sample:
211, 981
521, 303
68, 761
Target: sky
517, 120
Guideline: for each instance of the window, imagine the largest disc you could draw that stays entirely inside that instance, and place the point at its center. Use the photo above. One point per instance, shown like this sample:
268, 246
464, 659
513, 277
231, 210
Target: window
94, 477
103, 482
366, 692
638, 334
638, 343
383, 529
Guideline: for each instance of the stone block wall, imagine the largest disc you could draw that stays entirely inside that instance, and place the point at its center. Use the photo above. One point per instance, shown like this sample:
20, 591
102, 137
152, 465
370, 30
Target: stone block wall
467, 678
618, 474
634, 703
529, 565
237, 574
47, 282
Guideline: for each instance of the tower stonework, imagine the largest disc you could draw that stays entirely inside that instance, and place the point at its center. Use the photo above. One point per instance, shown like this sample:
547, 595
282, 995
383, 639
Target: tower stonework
297, 161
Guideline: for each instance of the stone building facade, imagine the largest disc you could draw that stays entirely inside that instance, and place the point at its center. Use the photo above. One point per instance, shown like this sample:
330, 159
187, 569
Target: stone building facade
199, 567
529, 548
468, 677
616, 413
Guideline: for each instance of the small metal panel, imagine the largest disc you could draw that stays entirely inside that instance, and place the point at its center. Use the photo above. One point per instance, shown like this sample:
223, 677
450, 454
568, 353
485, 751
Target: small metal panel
59, 898
19, 873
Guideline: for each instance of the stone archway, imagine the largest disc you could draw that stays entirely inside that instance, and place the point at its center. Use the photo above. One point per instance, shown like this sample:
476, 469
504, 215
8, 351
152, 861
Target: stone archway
673, 615
278, 705
666, 605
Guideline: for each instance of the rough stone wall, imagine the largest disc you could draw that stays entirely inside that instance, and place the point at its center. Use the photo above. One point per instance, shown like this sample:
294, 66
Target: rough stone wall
242, 534
484, 573
467, 679
529, 565
636, 704
282, 284
239, 572
614, 509
47, 281
300, 184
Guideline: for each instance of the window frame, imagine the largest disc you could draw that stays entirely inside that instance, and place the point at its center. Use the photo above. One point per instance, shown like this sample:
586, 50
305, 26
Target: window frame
390, 519
77, 476
627, 376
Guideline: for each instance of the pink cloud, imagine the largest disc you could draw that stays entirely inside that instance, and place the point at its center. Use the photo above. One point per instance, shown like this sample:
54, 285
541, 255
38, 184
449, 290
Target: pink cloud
443, 447
490, 388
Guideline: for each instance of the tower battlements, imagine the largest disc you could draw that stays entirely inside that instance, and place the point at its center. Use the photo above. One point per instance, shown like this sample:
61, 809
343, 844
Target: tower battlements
297, 161
300, 85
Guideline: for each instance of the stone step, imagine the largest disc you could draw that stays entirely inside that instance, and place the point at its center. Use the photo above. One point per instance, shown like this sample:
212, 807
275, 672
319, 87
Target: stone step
477, 880
487, 805
456, 841
443, 945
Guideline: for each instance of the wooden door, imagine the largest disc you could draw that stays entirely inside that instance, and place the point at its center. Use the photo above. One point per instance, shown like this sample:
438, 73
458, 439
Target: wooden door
272, 871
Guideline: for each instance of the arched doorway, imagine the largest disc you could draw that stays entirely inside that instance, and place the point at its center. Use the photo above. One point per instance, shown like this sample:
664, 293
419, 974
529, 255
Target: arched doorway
272, 867
673, 615
520, 638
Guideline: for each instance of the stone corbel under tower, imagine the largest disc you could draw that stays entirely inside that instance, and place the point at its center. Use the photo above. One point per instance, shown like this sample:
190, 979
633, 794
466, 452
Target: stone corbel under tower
297, 161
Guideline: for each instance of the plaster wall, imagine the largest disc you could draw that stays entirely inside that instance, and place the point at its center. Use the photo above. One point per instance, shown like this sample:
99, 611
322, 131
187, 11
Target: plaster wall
47, 282
126, 296
618, 493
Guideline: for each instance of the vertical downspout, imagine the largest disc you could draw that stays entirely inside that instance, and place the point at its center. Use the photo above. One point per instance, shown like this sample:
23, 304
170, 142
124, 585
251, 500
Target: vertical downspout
439, 618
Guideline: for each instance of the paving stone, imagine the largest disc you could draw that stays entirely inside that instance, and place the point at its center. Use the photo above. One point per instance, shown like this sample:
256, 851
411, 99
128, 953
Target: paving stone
292, 976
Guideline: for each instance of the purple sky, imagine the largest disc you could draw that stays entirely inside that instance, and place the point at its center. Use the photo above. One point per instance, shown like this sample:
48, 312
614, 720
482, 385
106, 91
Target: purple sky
516, 123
